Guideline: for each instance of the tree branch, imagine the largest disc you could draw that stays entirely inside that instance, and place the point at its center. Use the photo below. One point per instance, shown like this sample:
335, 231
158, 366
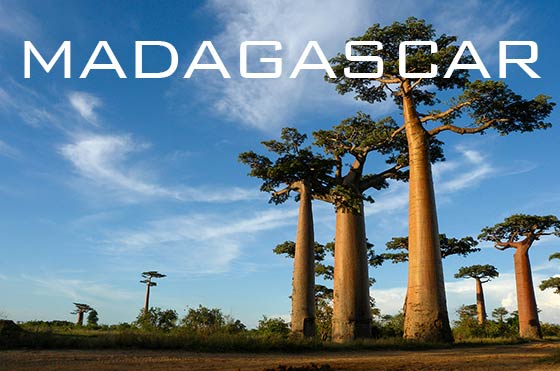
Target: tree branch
459, 130
443, 114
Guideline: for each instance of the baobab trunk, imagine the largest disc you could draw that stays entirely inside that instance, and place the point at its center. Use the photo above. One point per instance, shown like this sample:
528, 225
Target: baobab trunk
529, 326
351, 305
480, 305
80, 320
147, 300
303, 295
426, 308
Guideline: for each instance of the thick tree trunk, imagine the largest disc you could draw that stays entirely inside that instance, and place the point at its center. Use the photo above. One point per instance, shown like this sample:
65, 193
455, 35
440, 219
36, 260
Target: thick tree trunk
480, 305
426, 308
303, 293
147, 300
80, 320
529, 326
351, 306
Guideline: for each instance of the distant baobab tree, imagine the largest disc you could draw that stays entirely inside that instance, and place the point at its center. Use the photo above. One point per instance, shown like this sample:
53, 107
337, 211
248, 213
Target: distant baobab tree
482, 274
519, 232
552, 282
148, 276
80, 310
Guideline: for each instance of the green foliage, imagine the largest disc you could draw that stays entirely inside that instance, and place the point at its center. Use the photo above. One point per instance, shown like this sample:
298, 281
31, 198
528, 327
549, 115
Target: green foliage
482, 272
207, 321
389, 326
157, 319
556, 255
448, 245
551, 283
273, 327
520, 226
418, 59
293, 163
92, 318
467, 327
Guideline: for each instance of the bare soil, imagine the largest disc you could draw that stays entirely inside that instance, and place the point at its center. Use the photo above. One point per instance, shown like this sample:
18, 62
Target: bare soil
489, 357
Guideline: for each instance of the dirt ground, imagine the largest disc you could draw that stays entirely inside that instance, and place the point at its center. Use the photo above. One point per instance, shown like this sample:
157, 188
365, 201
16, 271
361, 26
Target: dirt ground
495, 358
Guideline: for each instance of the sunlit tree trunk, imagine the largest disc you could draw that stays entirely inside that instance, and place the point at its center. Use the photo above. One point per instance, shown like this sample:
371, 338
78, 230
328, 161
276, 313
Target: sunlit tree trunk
303, 296
529, 326
480, 305
80, 320
147, 300
426, 308
351, 306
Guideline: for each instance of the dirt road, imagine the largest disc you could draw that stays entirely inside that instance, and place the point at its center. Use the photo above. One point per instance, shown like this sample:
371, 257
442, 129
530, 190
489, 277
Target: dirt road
492, 358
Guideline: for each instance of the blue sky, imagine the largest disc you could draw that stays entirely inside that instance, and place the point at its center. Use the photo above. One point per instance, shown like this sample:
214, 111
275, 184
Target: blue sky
105, 178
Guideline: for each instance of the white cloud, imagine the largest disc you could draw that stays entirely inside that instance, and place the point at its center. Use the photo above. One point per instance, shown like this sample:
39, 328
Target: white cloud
80, 290
199, 243
8, 151
104, 161
85, 104
16, 22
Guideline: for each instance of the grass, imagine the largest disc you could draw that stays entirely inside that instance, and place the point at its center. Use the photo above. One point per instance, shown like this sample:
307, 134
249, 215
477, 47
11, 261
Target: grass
83, 338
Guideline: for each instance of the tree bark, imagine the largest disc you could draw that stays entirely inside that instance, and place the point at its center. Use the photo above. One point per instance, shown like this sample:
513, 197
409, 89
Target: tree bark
480, 305
529, 325
351, 305
426, 308
80, 321
147, 300
303, 293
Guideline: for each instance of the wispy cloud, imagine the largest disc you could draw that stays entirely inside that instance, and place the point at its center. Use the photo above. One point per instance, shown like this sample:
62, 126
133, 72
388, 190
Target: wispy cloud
79, 290
16, 22
105, 161
8, 151
85, 104
198, 243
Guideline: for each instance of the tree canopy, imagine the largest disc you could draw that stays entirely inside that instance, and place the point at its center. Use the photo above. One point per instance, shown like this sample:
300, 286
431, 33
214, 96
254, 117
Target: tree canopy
482, 272
449, 246
520, 229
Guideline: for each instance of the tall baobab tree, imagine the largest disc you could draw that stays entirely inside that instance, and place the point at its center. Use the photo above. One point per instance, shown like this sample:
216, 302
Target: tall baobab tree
552, 282
296, 169
148, 276
481, 274
519, 232
484, 105
80, 310
357, 137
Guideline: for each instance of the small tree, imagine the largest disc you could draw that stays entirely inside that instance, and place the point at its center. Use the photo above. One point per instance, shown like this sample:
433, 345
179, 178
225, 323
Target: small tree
92, 318
148, 276
481, 274
80, 310
157, 319
448, 245
519, 232
499, 314
552, 282
273, 327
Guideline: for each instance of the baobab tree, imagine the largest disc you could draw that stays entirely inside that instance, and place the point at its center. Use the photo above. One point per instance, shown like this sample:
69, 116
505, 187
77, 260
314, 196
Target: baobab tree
80, 310
483, 105
148, 276
552, 282
296, 169
481, 274
357, 137
519, 232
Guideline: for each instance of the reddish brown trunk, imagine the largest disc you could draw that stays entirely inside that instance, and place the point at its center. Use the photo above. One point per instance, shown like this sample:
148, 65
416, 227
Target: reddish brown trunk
480, 305
529, 326
426, 308
351, 307
303, 295
80, 320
